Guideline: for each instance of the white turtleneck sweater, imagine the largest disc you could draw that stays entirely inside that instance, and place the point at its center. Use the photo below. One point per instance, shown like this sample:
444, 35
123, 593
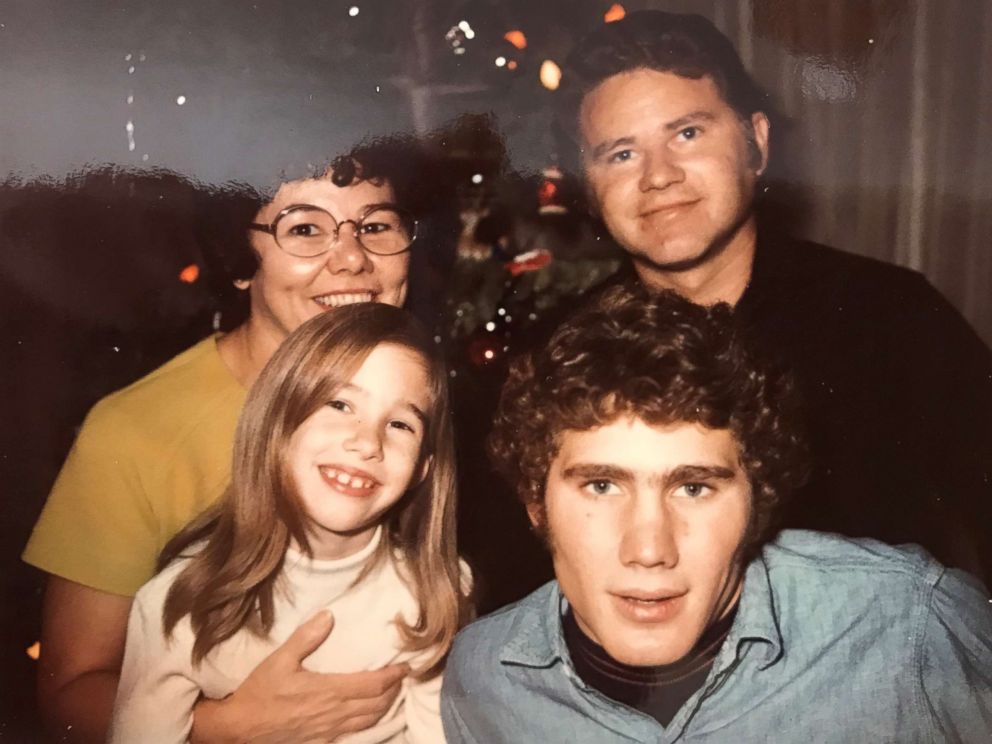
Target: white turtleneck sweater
159, 684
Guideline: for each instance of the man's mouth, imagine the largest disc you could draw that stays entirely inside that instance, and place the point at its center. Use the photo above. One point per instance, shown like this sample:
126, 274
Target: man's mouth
649, 607
340, 299
663, 210
349, 483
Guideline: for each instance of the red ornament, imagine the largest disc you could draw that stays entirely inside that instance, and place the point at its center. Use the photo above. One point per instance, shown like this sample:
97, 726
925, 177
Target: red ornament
529, 261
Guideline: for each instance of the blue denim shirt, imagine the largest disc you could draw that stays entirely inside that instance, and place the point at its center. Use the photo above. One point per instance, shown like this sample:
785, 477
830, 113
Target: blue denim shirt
836, 641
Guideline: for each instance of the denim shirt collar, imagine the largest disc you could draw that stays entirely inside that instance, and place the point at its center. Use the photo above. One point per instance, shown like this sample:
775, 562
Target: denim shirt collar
536, 638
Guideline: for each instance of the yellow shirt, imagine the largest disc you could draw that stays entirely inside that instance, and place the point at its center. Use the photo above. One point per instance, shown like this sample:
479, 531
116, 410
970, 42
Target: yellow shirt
147, 460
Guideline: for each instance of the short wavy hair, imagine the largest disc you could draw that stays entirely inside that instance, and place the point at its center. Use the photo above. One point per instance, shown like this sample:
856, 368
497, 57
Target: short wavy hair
689, 46
402, 161
664, 360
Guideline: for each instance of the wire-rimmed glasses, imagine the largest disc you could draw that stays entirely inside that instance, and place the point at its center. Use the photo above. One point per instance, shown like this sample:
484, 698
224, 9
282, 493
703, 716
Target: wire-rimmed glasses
307, 231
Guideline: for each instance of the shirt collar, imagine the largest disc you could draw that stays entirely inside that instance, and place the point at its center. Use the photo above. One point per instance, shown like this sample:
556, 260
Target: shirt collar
536, 638
757, 617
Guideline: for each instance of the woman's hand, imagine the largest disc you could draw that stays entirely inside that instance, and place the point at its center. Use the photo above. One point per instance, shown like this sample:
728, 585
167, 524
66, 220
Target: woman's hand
282, 702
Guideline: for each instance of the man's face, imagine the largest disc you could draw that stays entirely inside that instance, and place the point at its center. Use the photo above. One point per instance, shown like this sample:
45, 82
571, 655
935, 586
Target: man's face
669, 166
645, 523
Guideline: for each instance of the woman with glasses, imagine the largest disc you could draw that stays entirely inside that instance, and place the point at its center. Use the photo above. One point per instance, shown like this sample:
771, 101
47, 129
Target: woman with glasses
152, 456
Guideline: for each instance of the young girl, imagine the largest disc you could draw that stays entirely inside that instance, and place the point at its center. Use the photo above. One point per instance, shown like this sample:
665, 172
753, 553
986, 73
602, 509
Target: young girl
341, 497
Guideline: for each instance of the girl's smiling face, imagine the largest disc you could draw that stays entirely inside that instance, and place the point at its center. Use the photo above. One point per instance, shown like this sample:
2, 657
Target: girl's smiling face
356, 456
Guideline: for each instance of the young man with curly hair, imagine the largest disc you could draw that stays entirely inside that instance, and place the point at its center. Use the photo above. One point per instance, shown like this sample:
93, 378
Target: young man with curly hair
653, 453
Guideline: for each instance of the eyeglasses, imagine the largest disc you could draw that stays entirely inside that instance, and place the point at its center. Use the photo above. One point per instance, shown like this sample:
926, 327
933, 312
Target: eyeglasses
306, 231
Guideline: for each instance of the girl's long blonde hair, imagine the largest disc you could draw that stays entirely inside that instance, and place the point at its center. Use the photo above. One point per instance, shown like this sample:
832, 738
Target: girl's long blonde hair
230, 583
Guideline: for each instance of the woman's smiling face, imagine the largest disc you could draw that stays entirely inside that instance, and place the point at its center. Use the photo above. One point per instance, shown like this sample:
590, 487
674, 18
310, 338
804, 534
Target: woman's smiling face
287, 290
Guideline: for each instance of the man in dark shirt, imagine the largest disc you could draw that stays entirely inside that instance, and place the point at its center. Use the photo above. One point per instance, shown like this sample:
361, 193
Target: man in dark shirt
673, 138
653, 452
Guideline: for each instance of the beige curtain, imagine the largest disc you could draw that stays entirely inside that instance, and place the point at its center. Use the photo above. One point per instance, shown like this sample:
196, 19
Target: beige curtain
887, 148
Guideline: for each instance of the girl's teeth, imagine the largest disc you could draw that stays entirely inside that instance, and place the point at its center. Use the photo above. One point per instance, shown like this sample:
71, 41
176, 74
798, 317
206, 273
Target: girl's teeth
346, 480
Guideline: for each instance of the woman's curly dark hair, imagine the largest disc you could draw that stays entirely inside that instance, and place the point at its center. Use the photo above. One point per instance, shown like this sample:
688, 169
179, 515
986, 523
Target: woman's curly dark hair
662, 359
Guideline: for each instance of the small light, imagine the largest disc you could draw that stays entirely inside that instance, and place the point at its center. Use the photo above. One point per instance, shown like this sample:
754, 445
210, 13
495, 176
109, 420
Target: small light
130, 70
130, 98
501, 61
516, 38
127, 57
501, 311
488, 354
353, 11
181, 100
550, 75
490, 326
509, 319
190, 274
460, 50
467, 30
477, 178
144, 157
871, 41
511, 65
615, 13
34, 650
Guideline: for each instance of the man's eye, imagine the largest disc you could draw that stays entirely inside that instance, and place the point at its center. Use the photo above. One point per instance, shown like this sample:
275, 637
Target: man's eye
599, 487
689, 133
694, 490
621, 156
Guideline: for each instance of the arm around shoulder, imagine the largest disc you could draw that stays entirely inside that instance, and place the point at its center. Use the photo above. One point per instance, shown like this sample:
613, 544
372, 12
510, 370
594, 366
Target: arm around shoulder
82, 641
956, 660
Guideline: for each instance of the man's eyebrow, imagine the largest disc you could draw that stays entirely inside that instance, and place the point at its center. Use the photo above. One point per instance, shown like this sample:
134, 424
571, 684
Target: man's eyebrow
689, 118
597, 471
603, 147
684, 473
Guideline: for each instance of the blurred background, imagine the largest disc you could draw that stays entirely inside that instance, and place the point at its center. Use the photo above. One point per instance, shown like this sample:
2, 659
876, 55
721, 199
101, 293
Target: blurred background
117, 118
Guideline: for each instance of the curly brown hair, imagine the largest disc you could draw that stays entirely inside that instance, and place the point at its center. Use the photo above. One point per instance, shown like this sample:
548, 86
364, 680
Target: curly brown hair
661, 359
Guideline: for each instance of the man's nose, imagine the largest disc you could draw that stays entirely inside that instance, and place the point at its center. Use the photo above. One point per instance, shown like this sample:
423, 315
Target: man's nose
660, 169
649, 539
346, 254
365, 440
